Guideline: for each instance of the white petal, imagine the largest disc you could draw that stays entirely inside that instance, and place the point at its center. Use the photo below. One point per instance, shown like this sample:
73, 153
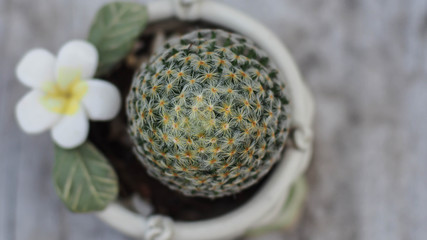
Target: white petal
80, 55
102, 100
72, 130
32, 116
36, 67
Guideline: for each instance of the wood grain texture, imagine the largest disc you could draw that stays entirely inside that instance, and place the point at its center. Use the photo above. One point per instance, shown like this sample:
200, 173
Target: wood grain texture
365, 62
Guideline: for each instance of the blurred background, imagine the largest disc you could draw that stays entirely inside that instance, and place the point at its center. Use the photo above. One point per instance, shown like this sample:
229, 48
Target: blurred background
366, 64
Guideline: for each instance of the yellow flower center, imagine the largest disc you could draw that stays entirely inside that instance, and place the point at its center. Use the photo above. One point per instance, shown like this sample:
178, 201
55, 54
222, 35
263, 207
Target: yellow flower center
64, 95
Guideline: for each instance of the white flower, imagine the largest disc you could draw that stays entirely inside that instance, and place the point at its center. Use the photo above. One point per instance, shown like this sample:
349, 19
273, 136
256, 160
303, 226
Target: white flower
64, 94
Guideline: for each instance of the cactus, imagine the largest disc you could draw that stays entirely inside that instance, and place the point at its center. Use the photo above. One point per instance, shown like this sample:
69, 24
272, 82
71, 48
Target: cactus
208, 114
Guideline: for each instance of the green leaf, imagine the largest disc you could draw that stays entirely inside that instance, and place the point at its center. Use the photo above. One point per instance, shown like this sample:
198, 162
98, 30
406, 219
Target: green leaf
84, 179
114, 31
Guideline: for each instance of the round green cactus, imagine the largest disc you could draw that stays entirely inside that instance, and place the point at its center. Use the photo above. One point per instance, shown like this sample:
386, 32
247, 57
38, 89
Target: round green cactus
208, 114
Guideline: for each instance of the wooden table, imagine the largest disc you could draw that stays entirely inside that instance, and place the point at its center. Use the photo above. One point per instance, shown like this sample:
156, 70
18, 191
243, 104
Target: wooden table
365, 62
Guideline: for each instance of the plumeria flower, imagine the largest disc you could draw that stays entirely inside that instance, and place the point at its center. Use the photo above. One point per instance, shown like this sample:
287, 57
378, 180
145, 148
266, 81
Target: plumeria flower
64, 94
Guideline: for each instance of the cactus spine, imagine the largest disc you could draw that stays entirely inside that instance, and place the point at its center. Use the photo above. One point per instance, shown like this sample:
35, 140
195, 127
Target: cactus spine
208, 114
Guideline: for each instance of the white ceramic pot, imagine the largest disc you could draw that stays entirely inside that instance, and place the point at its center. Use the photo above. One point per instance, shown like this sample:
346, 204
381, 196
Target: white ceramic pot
264, 207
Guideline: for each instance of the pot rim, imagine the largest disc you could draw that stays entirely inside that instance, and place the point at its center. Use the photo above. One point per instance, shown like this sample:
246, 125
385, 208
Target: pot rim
264, 206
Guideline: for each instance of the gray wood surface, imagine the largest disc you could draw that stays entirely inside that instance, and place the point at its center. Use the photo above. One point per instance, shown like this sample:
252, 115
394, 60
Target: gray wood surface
365, 62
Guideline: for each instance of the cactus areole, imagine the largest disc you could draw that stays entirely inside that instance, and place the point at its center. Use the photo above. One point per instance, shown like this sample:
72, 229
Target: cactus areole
208, 114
